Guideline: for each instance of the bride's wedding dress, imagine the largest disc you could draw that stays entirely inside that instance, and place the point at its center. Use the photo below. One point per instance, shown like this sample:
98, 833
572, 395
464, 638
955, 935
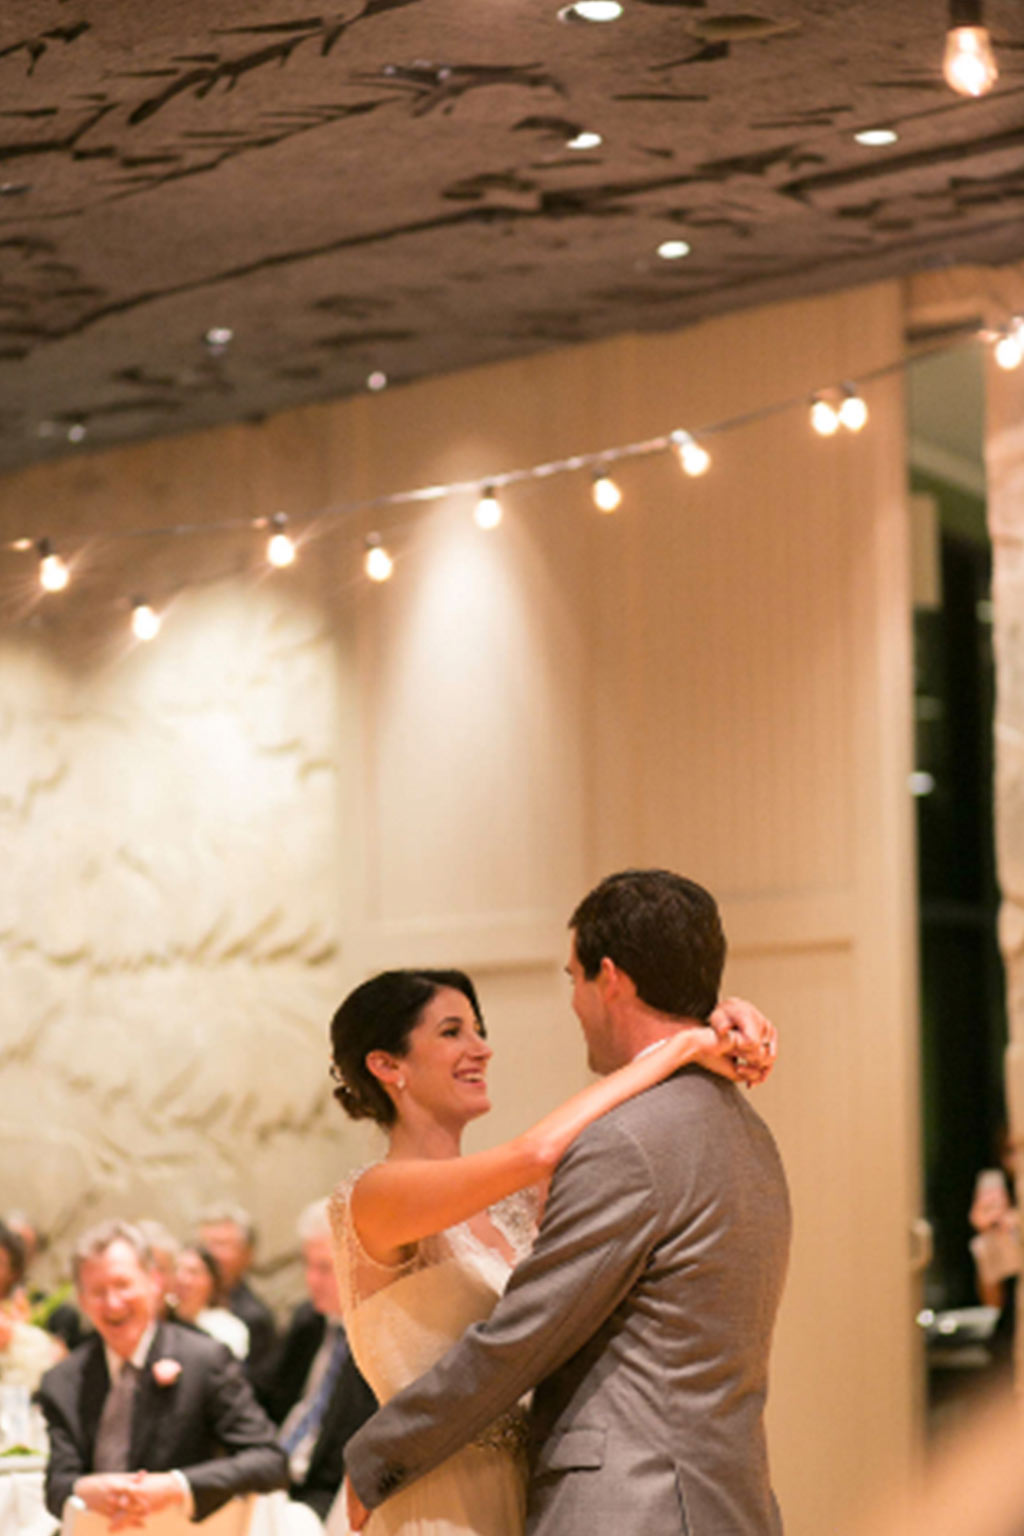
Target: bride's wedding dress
399, 1321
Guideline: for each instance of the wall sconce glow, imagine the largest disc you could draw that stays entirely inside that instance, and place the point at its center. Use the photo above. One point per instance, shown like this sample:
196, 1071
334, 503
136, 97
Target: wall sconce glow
693, 459
969, 65
876, 138
853, 412
145, 620
585, 140
280, 546
606, 493
487, 513
53, 573
591, 10
673, 250
377, 563
824, 417
1009, 349
377, 380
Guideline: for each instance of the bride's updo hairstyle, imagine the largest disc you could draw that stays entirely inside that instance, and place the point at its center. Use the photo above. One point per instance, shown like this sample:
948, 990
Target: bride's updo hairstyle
380, 1015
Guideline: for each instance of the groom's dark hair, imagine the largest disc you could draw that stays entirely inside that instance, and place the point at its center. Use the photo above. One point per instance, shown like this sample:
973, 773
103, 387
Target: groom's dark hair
663, 930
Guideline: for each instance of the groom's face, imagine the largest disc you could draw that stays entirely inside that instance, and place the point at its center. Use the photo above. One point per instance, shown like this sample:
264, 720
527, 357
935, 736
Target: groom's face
590, 1006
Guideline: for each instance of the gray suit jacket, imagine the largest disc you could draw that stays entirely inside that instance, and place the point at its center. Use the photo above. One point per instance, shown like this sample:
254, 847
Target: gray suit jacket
643, 1317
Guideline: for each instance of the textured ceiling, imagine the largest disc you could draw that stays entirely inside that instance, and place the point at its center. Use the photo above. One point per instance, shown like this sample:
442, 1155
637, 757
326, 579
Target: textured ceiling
385, 185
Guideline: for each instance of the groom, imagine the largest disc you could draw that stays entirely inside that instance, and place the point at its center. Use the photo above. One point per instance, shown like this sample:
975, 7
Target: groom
643, 1316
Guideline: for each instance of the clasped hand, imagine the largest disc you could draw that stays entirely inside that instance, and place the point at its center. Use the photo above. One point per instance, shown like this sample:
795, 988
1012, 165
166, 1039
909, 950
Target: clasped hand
746, 1043
127, 1498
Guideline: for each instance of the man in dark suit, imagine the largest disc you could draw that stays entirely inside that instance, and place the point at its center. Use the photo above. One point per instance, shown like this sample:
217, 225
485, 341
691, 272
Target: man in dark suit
148, 1414
317, 1396
230, 1235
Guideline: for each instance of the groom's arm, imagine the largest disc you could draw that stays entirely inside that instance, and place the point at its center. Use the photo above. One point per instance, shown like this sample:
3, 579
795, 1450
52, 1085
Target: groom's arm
597, 1230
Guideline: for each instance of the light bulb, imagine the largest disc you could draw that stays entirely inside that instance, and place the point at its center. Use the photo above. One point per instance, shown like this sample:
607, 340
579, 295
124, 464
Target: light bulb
606, 494
280, 546
876, 138
969, 66
824, 417
584, 140
673, 250
853, 412
1009, 350
377, 563
145, 621
592, 10
377, 380
693, 459
487, 513
53, 573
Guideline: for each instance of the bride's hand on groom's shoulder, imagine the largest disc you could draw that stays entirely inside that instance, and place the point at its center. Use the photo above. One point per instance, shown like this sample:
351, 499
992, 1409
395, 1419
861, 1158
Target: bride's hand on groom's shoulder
747, 1042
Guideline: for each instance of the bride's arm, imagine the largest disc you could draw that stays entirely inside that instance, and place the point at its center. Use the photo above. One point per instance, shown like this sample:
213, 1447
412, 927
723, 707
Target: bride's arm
396, 1203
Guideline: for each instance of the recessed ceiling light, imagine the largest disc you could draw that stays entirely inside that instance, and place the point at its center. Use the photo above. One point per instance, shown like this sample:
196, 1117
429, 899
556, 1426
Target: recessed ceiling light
77, 432
377, 380
876, 138
591, 10
673, 250
219, 337
584, 140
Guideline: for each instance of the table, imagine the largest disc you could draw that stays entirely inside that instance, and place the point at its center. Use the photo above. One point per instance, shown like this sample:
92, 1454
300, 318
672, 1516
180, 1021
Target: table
22, 1511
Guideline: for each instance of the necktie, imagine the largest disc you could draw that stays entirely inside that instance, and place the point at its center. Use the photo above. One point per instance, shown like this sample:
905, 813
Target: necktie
308, 1423
113, 1437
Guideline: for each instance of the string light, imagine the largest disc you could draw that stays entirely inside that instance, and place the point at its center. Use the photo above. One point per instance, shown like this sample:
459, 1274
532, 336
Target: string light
853, 412
487, 514
968, 66
145, 620
694, 460
834, 405
824, 417
280, 546
606, 493
53, 573
377, 563
1009, 348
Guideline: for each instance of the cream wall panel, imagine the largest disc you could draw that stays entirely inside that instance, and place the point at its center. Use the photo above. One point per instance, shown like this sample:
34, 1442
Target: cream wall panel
330, 778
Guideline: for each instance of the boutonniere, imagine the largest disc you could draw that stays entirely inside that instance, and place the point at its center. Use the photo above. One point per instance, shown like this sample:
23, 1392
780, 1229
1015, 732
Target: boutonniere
166, 1372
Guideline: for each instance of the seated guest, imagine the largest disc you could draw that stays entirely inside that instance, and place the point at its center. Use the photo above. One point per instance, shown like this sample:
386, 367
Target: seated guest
197, 1297
12, 1268
25, 1351
228, 1233
164, 1247
54, 1311
317, 1395
148, 1414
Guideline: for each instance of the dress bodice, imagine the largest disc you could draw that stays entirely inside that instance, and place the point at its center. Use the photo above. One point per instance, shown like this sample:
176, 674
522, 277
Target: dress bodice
401, 1318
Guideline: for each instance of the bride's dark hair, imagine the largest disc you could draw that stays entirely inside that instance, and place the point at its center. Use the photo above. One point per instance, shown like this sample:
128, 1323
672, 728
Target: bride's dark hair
380, 1015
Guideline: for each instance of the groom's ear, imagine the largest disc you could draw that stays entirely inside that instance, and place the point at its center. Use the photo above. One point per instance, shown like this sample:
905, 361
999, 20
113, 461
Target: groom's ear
616, 985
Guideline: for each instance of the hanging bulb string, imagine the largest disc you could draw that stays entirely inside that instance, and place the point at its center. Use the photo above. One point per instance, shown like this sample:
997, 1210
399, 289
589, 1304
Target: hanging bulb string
595, 461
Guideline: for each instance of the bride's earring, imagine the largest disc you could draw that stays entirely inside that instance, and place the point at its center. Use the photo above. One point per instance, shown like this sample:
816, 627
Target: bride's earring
399, 1083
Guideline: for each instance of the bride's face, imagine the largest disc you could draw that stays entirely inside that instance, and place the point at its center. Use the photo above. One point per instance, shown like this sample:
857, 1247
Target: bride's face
445, 1067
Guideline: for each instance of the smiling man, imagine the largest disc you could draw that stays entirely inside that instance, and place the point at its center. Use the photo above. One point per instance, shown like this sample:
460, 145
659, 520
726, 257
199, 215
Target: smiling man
148, 1414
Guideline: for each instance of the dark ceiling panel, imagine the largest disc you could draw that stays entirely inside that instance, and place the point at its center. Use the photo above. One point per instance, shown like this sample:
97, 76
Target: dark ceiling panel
386, 185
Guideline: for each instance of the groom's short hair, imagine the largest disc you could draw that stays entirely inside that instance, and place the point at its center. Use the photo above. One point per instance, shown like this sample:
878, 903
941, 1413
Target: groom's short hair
663, 930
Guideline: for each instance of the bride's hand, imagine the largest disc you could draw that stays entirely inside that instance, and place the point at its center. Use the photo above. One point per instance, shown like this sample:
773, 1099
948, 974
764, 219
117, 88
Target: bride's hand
358, 1514
746, 1042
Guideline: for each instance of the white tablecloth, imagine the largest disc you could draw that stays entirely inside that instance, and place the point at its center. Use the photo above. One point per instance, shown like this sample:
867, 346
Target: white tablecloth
22, 1511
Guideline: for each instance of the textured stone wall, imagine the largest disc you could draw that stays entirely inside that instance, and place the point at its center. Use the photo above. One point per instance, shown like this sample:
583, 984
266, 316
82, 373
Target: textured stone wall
170, 823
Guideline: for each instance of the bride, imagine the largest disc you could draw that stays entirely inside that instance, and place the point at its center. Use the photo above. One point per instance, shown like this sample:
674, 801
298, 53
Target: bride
425, 1239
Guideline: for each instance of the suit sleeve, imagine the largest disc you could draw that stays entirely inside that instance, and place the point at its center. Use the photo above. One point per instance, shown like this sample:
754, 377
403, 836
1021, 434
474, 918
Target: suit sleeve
253, 1460
598, 1228
66, 1462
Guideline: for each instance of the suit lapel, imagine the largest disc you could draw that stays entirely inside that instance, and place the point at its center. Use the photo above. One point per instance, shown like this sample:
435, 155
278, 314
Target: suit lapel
147, 1411
93, 1392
